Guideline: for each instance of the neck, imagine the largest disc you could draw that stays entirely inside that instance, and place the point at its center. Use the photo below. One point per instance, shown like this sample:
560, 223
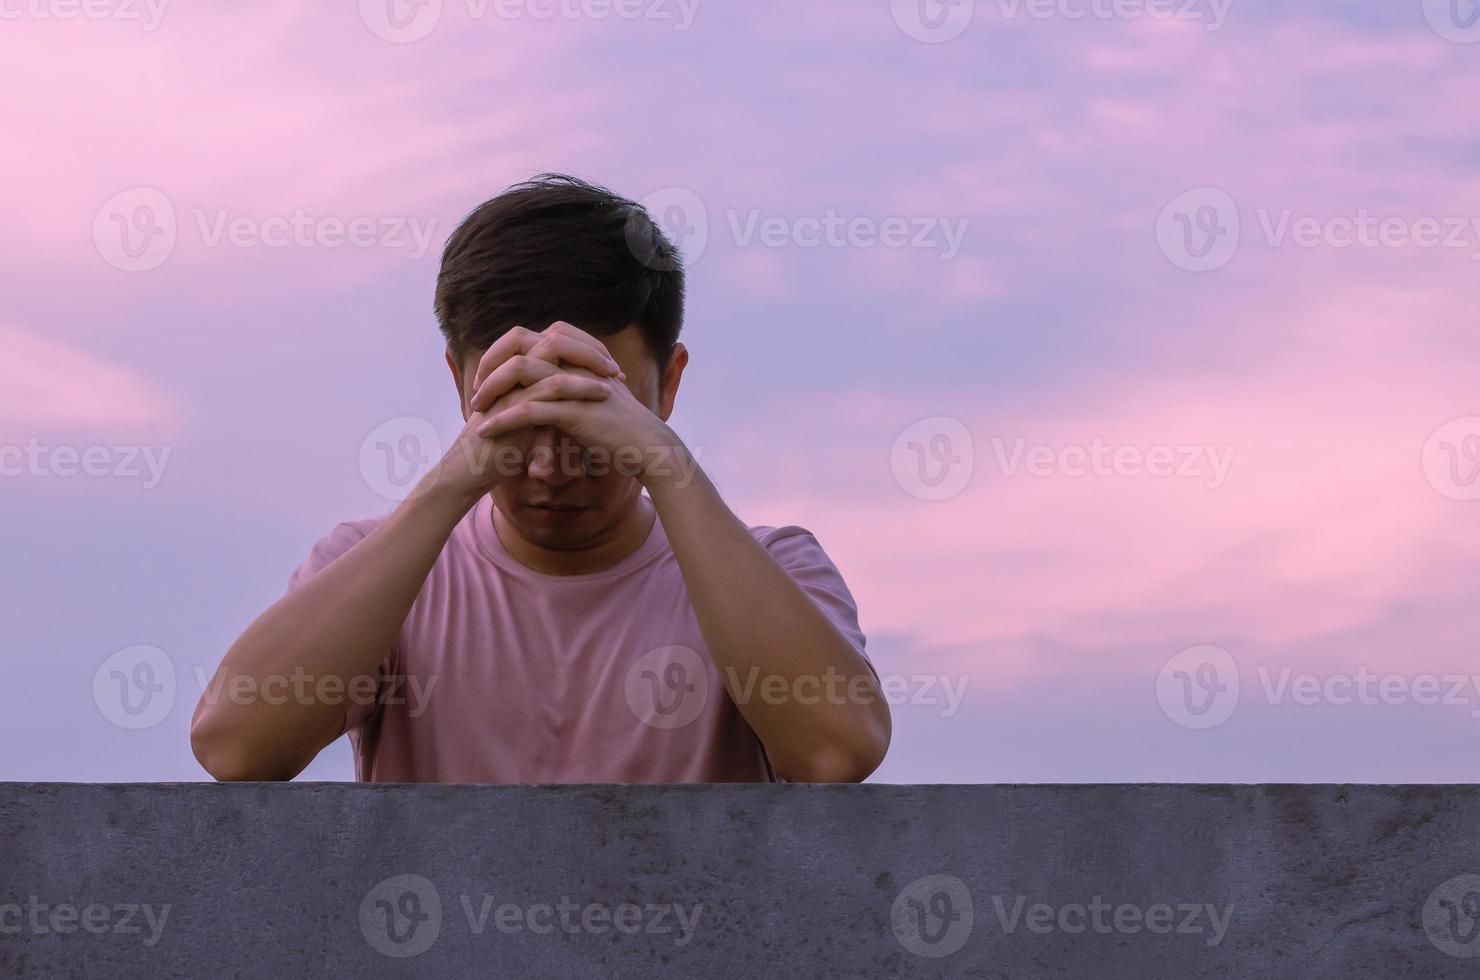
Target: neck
620, 541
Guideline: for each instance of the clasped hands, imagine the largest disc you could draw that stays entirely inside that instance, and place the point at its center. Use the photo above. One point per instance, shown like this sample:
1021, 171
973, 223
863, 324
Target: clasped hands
561, 379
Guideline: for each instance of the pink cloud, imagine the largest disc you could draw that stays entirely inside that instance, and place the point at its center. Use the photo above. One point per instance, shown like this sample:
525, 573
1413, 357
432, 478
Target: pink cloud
310, 114
48, 387
1323, 520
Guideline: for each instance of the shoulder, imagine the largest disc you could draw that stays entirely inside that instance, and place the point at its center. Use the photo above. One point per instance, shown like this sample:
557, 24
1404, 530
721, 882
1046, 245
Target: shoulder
792, 545
798, 551
340, 539
347, 534
771, 536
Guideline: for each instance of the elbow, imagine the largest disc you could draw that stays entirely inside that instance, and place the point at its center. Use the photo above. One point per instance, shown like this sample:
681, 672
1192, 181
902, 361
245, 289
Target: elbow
842, 761
221, 754
830, 766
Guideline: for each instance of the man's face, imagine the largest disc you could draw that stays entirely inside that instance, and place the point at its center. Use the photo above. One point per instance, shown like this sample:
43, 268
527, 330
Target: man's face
563, 498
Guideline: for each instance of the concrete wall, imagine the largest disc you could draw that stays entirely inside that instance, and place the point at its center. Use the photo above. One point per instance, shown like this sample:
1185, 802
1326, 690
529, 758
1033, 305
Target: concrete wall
1108, 882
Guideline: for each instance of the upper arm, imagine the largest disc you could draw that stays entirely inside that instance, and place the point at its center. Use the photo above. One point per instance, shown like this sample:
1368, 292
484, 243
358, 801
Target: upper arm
359, 708
798, 551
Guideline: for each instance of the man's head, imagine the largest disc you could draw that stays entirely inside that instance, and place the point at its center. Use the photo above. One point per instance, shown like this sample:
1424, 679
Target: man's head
554, 249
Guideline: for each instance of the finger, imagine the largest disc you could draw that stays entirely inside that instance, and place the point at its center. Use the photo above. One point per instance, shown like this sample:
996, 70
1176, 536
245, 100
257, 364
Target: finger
571, 330
512, 381
528, 414
559, 347
521, 369
566, 386
516, 340
553, 347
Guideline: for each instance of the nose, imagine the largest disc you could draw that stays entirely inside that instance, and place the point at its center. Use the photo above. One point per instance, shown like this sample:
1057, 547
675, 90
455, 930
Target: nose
553, 458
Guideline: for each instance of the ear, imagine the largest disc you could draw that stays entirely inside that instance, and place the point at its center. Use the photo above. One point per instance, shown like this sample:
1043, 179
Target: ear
668, 384
457, 379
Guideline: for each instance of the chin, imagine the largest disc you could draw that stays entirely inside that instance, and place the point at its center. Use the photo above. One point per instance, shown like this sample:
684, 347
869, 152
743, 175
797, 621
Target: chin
564, 530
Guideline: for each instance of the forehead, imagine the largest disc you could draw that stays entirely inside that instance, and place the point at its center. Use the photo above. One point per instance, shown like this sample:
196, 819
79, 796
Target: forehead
629, 347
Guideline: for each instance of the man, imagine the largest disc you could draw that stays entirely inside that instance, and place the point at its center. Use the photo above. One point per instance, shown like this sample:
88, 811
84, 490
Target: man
565, 597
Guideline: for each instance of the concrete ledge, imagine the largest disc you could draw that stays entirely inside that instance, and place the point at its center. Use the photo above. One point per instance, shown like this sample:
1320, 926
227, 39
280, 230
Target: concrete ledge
345, 880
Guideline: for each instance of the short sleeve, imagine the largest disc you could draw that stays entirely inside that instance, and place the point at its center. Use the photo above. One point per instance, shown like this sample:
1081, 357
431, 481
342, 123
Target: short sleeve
328, 548
798, 551
360, 708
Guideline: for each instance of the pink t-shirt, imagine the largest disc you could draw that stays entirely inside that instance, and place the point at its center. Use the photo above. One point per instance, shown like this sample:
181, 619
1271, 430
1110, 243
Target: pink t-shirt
502, 674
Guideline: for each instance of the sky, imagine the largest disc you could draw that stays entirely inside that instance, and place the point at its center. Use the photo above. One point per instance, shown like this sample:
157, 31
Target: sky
1121, 353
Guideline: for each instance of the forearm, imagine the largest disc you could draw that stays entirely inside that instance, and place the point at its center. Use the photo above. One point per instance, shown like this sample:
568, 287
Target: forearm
759, 625
333, 630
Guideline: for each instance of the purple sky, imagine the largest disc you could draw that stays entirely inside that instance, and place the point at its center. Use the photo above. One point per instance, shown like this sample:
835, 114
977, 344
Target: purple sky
1125, 363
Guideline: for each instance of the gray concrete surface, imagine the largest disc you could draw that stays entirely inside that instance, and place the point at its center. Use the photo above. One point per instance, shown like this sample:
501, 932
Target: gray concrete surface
1104, 882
